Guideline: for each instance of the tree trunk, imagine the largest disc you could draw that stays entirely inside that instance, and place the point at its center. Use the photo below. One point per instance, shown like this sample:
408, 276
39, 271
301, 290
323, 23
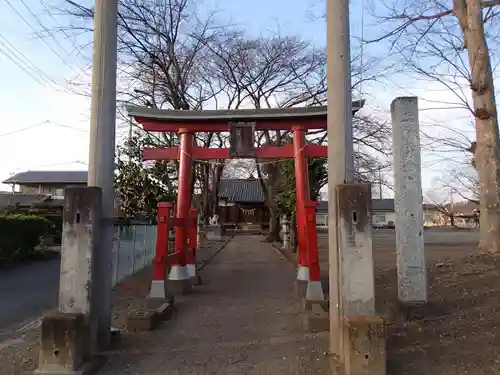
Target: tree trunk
274, 225
487, 156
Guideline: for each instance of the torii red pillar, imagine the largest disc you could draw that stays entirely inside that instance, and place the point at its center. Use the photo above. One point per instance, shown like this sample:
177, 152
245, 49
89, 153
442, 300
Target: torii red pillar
301, 195
314, 290
179, 278
309, 284
160, 261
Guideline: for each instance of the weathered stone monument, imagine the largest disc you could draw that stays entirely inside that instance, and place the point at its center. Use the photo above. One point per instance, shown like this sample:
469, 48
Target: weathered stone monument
408, 200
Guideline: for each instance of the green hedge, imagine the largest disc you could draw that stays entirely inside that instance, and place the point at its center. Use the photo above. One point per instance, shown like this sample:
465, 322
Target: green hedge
20, 236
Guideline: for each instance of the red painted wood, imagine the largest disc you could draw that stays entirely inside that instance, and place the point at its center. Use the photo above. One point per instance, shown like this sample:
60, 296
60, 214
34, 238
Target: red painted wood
184, 196
201, 153
316, 151
312, 241
161, 259
301, 192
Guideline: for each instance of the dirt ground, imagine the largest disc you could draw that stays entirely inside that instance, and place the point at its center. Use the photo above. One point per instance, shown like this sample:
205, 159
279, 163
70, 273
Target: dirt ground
19, 352
457, 331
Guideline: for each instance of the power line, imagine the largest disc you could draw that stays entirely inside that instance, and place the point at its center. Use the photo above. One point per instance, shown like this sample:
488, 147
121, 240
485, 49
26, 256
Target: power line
44, 27
22, 68
24, 129
76, 47
36, 32
38, 125
68, 126
30, 68
28, 64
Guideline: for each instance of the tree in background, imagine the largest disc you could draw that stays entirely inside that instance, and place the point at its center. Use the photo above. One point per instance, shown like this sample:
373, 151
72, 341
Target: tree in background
139, 185
170, 56
448, 44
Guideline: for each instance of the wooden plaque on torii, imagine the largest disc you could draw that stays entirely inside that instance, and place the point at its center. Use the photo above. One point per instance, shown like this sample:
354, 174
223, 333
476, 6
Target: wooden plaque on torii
242, 140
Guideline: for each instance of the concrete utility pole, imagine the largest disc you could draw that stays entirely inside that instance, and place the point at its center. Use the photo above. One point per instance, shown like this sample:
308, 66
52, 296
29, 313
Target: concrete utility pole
102, 149
340, 160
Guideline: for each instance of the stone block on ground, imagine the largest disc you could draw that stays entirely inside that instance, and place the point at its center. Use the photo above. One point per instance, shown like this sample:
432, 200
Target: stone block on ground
325, 304
163, 307
364, 348
214, 232
300, 288
178, 287
64, 346
196, 280
318, 318
142, 320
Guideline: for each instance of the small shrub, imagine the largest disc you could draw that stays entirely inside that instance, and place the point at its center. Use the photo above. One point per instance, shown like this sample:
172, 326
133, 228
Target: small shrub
20, 234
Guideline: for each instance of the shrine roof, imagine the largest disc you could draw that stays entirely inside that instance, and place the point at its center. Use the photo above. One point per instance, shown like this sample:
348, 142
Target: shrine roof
266, 114
240, 190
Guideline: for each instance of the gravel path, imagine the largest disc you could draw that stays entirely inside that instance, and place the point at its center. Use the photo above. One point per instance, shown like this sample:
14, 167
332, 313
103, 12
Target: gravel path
19, 344
243, 320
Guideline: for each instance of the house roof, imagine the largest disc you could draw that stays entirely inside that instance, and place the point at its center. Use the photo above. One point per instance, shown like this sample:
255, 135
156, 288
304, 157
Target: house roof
48, 177
386, 205
237, 190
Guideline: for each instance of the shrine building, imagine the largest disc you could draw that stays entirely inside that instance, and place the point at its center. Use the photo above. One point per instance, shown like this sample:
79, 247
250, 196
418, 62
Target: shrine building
242, 203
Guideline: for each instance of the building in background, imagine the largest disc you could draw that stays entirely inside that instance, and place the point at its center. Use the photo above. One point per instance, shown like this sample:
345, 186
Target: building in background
46, 182
242, 202
383, 214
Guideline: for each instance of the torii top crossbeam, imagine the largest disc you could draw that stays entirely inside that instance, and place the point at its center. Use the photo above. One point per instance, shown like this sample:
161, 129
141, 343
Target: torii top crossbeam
160, 120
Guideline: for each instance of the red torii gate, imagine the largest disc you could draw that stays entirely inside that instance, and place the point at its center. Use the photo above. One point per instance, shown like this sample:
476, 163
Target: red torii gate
242, 124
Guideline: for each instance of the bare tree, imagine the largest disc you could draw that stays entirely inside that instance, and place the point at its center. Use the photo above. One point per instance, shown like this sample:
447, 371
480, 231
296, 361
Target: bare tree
174, 59
240, 169
286, 72
442, 202
456, 39
163, 51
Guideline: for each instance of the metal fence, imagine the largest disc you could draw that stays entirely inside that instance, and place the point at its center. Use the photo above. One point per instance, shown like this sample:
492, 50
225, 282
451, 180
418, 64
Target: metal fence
133, 249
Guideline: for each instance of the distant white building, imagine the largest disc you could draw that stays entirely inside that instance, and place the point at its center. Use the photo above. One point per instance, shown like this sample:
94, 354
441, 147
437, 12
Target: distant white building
383, 214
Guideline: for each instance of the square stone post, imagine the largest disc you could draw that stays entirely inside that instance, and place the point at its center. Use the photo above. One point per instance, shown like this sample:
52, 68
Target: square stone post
412, 275
363, 334
70, 336
354, 205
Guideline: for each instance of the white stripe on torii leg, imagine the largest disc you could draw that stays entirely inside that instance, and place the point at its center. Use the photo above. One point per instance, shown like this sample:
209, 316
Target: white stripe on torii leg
178, 273
314, 291
157, 289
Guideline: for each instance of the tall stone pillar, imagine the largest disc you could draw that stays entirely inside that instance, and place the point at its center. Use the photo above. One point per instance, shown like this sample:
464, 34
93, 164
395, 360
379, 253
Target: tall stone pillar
412, 275
70, 335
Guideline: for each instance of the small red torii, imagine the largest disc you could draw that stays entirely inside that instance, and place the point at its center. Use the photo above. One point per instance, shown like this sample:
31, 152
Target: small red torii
241, 124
